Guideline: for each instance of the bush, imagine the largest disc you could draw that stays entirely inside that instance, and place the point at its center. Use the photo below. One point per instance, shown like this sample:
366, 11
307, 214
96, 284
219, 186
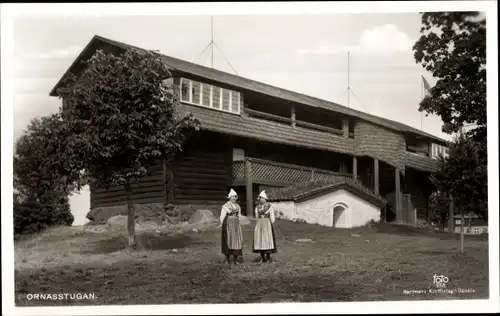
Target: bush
31, 216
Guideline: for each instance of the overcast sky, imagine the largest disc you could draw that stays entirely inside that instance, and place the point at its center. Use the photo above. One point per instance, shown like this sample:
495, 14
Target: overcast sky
304, 53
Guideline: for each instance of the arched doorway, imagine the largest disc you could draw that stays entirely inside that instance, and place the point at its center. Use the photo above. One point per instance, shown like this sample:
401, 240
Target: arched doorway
340, 215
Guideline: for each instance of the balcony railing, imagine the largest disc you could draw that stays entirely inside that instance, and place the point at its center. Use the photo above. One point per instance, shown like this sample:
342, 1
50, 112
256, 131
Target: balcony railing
290, 121
418, 151
279, 174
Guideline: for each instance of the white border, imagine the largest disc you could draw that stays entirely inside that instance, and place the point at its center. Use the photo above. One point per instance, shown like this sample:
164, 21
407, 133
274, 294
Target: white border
8, 11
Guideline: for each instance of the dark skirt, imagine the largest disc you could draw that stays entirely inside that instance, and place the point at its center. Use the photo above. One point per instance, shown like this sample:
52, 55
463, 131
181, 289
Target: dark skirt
235, 245
260, 237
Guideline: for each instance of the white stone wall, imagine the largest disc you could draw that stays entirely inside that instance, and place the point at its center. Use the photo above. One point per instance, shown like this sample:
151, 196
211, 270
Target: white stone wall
319, 210
287, 208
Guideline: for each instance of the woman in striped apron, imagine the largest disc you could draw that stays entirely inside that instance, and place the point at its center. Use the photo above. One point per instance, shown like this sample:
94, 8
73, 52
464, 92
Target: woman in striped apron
264, 241
232, 234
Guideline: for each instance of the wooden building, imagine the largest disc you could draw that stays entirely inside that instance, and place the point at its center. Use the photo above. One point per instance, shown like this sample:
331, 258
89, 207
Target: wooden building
254, 136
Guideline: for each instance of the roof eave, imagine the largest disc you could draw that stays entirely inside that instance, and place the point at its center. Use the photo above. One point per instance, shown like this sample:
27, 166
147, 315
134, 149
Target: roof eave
79, 58
347, 112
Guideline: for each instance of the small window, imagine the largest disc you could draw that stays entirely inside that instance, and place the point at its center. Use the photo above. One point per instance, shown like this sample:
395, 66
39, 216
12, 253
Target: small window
225, 99
235, 102
196, 90
238, 154
216, 97
185, 90
205, 94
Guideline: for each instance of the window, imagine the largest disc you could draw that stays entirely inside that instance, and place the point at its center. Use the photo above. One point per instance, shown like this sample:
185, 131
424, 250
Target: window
216, 97
437, 150
235, 102
225, 99
207, 95
238, 154
196, 92
185, 95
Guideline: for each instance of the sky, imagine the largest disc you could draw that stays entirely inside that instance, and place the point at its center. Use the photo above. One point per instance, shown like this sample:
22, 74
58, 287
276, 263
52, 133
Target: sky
304, 53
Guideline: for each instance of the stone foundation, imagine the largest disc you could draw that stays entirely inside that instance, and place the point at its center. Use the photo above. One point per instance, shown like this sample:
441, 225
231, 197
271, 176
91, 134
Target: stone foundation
153, 211
150, 212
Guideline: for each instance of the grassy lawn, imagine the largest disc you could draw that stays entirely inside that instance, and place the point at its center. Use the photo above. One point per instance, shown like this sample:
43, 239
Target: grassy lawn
364, 264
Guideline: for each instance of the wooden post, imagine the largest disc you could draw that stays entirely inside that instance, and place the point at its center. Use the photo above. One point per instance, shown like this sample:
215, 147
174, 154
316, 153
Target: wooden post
312, 175
398, 195
248, 186
165, 181
461, 230
354, 169
292, 115
375, 176
345, 127
451, 215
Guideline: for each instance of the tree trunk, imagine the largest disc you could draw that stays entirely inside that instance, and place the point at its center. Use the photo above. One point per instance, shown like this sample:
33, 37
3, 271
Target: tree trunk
461, 230
130, 217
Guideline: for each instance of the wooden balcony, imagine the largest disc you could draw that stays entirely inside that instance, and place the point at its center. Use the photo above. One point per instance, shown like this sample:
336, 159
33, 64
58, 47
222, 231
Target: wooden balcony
293, 122
278, 174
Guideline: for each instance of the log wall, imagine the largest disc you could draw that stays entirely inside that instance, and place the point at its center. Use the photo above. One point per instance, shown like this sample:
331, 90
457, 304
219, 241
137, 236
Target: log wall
149, 189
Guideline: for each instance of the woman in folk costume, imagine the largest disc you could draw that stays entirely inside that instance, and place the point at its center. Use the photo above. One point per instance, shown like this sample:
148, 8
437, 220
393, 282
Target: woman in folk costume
264, 241
232, 234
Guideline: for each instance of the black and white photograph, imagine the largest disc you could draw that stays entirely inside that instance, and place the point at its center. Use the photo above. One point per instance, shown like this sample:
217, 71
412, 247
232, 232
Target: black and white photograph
252, 158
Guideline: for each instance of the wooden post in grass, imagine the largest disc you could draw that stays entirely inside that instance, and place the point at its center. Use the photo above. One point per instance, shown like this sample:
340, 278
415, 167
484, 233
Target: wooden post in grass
450, 215
397, 193
248, 187
461, 230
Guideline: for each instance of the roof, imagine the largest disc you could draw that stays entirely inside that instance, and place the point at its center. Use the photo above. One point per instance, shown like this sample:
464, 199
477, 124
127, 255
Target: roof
309, 190
249, 85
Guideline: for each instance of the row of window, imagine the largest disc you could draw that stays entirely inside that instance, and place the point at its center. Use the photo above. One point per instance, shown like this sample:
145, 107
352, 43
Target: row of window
437, 150
207, 95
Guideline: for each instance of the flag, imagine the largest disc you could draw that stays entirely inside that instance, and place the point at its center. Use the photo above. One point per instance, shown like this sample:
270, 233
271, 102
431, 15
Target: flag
426, 91
427, 87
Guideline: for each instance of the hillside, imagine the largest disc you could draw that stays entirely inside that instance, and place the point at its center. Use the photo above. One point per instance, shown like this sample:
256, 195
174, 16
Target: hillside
380, 262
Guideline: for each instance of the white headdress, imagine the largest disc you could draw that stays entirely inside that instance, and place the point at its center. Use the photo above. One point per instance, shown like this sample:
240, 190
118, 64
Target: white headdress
263, 194
232, 193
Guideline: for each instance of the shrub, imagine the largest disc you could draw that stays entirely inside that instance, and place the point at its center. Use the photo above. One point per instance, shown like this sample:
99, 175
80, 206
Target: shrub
31, 216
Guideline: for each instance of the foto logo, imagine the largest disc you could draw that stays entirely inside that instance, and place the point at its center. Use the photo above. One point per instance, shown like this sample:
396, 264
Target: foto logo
440, 281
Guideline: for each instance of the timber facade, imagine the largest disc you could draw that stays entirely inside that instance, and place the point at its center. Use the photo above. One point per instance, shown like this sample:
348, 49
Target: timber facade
255, 136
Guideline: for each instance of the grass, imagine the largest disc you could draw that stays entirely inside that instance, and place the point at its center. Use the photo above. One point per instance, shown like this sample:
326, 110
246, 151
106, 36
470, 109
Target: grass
366, 264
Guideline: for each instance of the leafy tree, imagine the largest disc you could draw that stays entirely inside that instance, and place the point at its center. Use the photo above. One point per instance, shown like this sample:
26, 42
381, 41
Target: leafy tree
439, 208
43, 176
463, 174
453, 48
122, 118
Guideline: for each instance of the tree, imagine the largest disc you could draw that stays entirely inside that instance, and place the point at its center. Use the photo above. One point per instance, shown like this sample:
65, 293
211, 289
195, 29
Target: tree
439, 208
453, 48
43, 176
462, 174
122, 118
